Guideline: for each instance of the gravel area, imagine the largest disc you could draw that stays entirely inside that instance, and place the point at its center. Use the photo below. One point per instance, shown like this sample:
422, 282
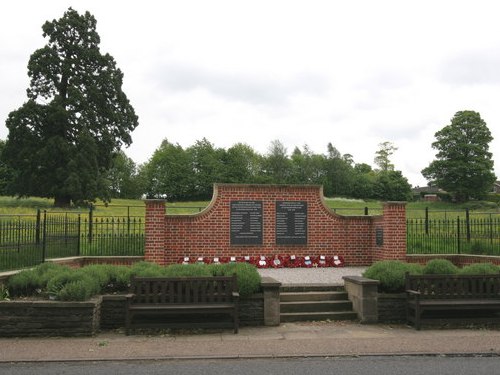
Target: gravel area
311, 275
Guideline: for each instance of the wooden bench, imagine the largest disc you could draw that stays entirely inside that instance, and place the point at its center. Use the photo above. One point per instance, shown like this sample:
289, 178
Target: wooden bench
476, 294
179, 297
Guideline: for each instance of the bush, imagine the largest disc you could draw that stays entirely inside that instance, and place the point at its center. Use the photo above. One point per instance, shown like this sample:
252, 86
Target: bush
101, 273
440, 267
187, 270
48, 270
79, 290
34, 281
479, 269
119, 279
73, 286
25, 283
391, 274
248, 277
147, 269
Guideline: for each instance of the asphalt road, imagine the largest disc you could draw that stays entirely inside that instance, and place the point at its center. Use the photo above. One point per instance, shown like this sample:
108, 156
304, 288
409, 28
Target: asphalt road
408, 365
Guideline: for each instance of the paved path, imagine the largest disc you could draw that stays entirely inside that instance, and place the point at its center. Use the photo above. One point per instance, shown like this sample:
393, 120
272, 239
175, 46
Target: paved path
329, 275
287, 340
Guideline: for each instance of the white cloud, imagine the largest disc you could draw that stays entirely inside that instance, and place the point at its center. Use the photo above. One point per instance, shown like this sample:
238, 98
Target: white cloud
352, 73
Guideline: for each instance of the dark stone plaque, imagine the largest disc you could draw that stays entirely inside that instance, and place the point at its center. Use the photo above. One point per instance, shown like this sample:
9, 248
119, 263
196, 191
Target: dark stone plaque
379, 236
246, 223
291, 223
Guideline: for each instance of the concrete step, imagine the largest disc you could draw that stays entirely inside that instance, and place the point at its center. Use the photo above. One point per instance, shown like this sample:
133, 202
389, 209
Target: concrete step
313, 296
309, 302
317, 316
315, 306
311, 288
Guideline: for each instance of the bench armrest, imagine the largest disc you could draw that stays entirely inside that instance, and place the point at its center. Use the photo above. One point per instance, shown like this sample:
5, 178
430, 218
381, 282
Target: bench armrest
413, 292
236, 295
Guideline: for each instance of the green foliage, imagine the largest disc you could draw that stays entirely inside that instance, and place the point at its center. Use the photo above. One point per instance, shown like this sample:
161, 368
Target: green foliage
187, 270
62, 140
124, 179
383, 154
391, 186
4, 293
24, 283
463, 165
479, 269
440, 267
391, 274
73, 285
248, 277
146, 269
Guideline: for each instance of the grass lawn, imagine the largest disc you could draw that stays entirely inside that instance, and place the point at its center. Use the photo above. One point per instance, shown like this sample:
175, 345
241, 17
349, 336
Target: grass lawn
342, 206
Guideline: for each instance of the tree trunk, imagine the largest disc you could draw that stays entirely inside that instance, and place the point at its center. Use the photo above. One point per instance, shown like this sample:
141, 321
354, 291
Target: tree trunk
62, 201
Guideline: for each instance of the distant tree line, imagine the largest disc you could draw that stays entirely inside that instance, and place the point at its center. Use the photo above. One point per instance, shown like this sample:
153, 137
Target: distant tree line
179, 173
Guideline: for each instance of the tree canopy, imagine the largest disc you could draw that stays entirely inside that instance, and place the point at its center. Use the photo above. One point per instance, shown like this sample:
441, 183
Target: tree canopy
463, 165
62, 141
189, 174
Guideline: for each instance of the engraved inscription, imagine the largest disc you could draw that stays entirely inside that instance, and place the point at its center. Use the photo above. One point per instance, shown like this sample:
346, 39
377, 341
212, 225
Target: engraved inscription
291, 223
246, 223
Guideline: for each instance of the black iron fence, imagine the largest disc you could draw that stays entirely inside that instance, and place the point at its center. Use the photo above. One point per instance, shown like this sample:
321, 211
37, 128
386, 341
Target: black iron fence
27, 240
454, 236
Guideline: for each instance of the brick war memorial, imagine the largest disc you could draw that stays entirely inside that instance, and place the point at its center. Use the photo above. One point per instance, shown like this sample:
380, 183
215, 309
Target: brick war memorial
273, 226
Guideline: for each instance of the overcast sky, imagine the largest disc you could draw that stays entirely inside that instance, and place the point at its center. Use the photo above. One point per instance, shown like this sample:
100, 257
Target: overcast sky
353, 73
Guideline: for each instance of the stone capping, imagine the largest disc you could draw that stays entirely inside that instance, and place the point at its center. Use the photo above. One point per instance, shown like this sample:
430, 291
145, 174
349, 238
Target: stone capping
363, 293
360, 280
271, 291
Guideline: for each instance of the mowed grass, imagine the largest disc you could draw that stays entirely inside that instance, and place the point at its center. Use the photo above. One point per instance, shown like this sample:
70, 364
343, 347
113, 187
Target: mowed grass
341, 206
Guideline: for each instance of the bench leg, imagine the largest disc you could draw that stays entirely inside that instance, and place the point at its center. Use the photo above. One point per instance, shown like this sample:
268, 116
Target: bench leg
236, 320
418, 313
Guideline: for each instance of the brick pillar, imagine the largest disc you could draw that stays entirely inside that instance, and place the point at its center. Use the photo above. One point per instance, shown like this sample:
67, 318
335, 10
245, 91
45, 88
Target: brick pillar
154, 244
394, 232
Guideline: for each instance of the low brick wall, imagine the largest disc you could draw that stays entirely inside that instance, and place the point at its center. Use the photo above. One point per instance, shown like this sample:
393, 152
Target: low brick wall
391, 307
49, 318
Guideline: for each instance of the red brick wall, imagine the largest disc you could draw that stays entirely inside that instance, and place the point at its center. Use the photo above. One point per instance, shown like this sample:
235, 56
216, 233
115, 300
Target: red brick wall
172, 237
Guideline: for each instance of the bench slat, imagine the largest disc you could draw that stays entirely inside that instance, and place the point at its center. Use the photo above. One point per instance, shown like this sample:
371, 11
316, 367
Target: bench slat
179, 295
450, 292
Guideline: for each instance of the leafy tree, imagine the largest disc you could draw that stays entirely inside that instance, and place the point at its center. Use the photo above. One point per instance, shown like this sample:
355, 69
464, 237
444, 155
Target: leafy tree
241, 164
6, 173
277, 165
382, 156
307, 167
391, 186
463, 165
339, 172
168, 173
206, 168
123, 178
62, 140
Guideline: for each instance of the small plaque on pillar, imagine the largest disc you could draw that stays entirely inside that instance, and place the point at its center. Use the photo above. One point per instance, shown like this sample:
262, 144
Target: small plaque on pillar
379, 236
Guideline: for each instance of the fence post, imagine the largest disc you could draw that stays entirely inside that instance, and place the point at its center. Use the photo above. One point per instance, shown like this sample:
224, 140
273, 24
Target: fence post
426, 220
44, 235
458, 234
366, 211
37, 227
467, 224
78, 230
91, 217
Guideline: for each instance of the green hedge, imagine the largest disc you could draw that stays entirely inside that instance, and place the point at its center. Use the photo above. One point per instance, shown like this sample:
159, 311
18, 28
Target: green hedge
63, 283
391, 273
